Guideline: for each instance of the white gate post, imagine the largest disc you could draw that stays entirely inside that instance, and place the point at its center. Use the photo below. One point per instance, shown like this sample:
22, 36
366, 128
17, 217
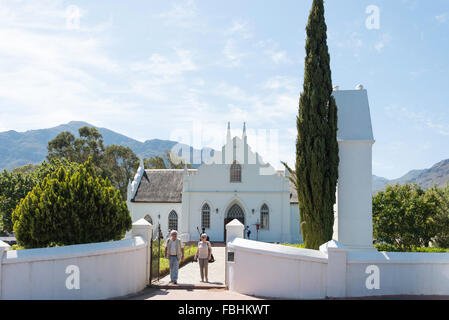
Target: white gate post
3, 247
234, 229
144, 229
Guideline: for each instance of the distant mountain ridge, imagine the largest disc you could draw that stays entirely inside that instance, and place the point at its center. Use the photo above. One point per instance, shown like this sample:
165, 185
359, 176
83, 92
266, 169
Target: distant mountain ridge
20, 148
438, 175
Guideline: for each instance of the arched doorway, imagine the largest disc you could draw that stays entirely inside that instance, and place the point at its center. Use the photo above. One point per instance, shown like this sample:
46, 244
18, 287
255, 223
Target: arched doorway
234, 212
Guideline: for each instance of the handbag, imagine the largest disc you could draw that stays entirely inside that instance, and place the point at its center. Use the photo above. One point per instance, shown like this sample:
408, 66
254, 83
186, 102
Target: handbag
212, 259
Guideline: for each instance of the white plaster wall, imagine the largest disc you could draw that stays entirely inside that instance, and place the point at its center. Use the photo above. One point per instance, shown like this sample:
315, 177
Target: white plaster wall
276, 271
353, 217
400, 273
211, 184
107, 269
139, 210
248, 201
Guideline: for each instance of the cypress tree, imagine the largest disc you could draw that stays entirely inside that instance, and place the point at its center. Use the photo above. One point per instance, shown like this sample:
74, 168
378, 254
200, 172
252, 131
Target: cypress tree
316, 145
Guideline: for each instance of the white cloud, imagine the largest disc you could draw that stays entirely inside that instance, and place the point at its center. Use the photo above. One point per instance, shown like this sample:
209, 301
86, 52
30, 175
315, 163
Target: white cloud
162, 65
182, 14
442, 18
384, 40
239, 28
233, 54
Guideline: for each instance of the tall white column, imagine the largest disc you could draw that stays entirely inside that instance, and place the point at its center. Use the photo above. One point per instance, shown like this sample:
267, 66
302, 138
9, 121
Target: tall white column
353, 225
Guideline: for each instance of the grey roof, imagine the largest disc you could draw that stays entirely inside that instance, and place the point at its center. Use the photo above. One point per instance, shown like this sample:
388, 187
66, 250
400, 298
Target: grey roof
354, 120
165, 186
160, 185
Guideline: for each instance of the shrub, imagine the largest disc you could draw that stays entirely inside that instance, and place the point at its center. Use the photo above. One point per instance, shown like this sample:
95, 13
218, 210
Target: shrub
71, 206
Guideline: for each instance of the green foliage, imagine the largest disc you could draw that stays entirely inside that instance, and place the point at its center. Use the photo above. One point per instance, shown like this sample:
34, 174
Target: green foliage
393, 248
316, 145
294, 245
441, 218
13, 187
170, 161
71, 206
16, 184
118, 163
404, 216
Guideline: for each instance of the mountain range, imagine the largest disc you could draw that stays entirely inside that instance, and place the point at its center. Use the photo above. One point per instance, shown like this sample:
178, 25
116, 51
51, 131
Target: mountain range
20, 148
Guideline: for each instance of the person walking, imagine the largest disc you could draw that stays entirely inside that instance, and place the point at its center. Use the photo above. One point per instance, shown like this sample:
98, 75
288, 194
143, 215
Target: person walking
203, 255
248, 232
174, 252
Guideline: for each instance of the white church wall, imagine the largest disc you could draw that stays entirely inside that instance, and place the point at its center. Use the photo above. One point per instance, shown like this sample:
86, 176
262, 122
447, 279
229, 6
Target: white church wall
248, 201
139, 210
212, 184
295, 231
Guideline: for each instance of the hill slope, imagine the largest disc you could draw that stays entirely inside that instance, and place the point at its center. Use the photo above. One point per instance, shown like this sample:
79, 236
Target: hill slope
438, 175
20, 148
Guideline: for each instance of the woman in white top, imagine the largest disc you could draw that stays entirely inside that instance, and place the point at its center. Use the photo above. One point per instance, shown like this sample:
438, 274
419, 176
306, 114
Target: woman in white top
203, 254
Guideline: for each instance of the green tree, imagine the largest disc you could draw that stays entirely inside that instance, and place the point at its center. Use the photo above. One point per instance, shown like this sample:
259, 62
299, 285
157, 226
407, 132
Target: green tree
170, 160
71, 207
15, 185
441, 218
316, 145
403, 215
120, 164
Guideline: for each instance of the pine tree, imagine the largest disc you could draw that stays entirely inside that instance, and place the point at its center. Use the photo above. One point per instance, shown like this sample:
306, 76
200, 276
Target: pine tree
71, 206
316, 145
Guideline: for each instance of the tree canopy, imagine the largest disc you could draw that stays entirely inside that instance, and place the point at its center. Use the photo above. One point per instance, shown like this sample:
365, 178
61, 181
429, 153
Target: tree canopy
71, 206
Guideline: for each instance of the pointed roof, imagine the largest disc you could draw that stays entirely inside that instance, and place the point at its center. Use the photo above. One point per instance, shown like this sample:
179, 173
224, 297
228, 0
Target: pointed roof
354, 120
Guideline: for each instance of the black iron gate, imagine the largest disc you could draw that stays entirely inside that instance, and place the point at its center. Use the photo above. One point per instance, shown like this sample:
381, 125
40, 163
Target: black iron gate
156, 256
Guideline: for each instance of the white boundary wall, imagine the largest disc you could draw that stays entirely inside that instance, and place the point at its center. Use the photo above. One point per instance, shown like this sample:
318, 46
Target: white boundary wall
106, 269
277, 271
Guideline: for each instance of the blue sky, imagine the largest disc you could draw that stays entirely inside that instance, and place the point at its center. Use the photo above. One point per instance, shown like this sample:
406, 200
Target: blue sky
163, 69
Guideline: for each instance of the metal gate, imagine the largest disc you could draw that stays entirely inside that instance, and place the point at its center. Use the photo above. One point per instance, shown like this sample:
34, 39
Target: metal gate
156, 255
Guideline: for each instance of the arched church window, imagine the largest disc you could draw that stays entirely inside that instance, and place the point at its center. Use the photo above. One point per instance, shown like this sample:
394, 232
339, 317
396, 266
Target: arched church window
205, 216
236, 172
173, 220
264, 216
148, 218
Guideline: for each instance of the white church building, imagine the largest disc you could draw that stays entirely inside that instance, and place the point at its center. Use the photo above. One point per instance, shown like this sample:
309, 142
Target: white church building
237, 184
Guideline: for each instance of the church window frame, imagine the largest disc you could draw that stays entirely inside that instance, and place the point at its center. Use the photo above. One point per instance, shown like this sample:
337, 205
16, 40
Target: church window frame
205, 216
236, 172
173, 220
264, 217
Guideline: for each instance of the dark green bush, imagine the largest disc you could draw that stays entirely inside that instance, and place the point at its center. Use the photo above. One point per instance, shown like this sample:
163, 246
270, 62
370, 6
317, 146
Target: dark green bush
71, 206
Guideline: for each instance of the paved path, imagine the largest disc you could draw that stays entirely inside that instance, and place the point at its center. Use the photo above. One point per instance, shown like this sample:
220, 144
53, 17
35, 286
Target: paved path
189, 275
189, 294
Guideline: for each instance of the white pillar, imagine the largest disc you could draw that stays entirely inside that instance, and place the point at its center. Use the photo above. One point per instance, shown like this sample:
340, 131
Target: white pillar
234, 229
336, 268
3, 248
353, 225
142, 228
